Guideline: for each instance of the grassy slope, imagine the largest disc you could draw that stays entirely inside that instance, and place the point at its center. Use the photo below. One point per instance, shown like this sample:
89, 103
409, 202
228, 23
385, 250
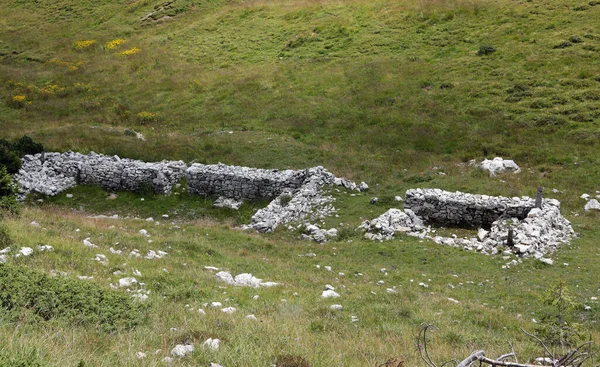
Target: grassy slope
355, 86
491, 298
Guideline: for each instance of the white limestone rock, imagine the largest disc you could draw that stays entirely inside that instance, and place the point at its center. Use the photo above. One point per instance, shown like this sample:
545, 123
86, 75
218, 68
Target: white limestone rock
592, 204
499, 165
181, 350
211, 344
330, 294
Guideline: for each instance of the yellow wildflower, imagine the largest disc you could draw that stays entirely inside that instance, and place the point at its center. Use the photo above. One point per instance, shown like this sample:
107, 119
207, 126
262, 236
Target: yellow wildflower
19, 98
114, 43
145, 117
131, 51
84, 44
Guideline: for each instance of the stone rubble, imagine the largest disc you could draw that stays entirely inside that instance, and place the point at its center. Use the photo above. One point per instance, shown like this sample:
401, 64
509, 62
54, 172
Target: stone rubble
312, 232
391, 222
228, 203
291, 206
499, 165
537, 231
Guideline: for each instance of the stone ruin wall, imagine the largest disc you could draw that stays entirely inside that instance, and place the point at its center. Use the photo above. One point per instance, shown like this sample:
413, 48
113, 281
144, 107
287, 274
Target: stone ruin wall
52, 173
458, 209
241, 182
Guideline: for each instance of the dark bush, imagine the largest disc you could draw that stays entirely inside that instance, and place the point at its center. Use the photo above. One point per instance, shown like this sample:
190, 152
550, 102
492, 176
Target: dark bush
26, 145
9, 160
82, 303
575, 39
563, 45
486, 50
8, 194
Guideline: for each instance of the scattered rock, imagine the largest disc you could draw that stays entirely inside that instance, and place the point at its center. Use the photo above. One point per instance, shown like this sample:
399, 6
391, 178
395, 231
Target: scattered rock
336, 307
181, 350
127, 282
243, 280
212, 344
223, 202
330, 294
499, 165
592, 204
87, 243
228, 310
25, 251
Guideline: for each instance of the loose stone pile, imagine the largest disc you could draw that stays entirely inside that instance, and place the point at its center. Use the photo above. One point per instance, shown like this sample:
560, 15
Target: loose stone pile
305, 202
52, 173
391, 222
460, 209
499, 165
536, 231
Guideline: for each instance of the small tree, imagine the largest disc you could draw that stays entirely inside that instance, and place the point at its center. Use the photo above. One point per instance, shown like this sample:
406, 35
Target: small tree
557, 327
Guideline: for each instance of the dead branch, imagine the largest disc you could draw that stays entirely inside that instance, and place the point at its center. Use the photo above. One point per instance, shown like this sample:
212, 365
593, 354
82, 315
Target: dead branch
574, 358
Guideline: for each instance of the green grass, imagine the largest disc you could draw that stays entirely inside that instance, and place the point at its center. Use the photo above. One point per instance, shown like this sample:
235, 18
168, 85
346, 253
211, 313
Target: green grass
389, 92
490, 298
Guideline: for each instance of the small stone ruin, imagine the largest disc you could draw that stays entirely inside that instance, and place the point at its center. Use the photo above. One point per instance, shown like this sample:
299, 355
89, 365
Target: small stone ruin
505, 224
459, 209
296, 195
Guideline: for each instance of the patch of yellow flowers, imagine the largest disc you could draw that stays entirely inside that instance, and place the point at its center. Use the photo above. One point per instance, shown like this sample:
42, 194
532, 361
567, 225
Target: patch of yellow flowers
131, 51
80, 45
72, 66
146, 117
18, 98
114, 43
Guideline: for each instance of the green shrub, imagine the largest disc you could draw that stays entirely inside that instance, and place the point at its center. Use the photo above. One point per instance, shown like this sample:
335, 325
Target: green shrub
25, 145
81, 303
563, 45
5, 240
20, 358
284, 199
9, 159
8, 193
486, 50
556, 327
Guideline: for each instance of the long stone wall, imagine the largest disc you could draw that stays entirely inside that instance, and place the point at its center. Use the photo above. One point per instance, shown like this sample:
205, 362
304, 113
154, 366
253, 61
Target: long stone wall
297, 194
52, 173
241, 182
460, 209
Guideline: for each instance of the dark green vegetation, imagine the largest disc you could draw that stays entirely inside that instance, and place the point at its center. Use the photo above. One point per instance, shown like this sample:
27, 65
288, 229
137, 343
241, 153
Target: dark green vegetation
390, 92
29, 294
11, 152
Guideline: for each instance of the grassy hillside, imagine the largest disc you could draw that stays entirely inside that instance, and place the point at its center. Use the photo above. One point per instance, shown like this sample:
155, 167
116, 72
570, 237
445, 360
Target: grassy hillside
390, 92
